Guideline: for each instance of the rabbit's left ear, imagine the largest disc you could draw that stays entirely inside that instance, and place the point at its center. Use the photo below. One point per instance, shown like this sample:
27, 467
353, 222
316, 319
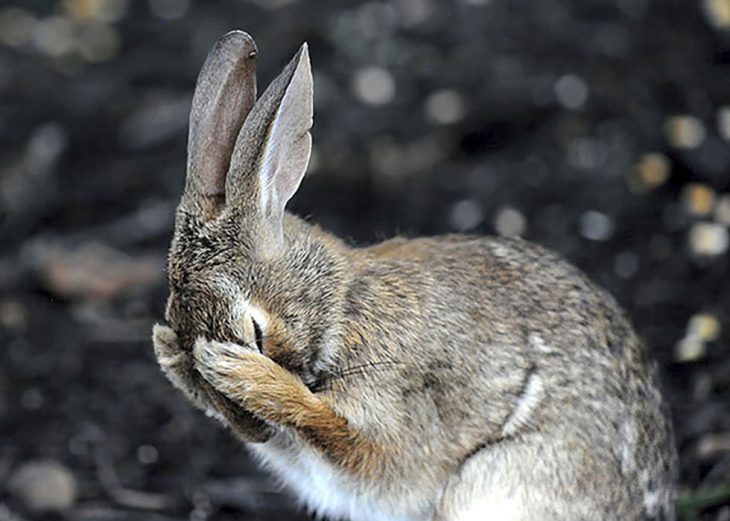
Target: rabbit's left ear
224, 95
273, 148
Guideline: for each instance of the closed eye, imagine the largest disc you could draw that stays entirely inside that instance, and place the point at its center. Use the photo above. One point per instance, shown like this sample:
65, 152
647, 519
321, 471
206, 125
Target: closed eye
259, 336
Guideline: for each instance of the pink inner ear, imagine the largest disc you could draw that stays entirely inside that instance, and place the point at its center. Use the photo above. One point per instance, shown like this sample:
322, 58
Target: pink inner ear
273, 148
224, 95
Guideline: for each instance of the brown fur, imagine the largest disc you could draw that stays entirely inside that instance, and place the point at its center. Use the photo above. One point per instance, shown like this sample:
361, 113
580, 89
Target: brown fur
431, 373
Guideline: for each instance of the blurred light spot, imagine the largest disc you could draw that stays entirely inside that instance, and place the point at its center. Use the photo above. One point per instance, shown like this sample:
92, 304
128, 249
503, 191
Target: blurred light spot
651, 172
660, 247
698, 199
32, 399
170, 9
705, 326
711, 446
585, 153
509, 222
78, 446
387, 158
54, 36
45, 146
155, 121
723, 123
701, 328
717, 12
477, 2
445, 107
98, 42
702, 386
612, 40
376, 19
633, 8
147, 454
708, 239
572, 91
273, 4
466, 215
16, 26
374, 85
413, 12
626, 264
689, 349
13, 315
533, 171
44, 485
107, 11
684, 131
722, 210
421, 155
596, 226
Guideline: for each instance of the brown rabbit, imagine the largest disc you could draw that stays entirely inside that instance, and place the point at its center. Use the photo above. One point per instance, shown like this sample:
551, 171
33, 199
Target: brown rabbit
448, 378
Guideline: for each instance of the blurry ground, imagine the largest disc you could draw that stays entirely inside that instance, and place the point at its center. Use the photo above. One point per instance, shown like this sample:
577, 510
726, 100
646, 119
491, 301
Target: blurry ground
599, 128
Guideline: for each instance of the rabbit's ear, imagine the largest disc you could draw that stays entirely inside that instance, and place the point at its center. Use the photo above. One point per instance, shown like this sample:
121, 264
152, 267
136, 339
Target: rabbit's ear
224, 95
273, 148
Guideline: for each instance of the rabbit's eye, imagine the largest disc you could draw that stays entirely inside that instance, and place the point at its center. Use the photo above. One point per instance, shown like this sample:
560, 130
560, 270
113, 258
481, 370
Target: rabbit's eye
259, 335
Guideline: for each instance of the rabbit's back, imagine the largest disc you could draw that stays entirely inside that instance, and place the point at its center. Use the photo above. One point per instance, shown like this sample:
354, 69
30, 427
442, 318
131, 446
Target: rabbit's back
511, 343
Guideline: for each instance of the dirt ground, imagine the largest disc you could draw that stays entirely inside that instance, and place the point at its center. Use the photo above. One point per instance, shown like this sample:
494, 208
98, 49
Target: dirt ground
599, 128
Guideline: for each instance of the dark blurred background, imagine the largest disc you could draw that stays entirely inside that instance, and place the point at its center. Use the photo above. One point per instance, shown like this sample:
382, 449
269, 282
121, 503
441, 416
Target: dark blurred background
599, 128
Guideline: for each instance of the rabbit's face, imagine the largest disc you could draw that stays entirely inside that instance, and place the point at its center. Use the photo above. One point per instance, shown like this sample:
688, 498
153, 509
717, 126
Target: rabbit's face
234, 273
225, 287
207, 287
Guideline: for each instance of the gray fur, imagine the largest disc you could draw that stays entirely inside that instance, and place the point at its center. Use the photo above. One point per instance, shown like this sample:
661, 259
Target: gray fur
490, 372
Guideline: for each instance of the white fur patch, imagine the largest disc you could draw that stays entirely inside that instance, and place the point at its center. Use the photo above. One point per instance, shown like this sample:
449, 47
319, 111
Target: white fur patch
629, 436
243, 310
526, 404
537, 342
323, 488
651, 502
496, 504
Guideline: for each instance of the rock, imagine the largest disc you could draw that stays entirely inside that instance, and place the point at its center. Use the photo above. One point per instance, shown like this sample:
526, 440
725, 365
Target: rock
43, 485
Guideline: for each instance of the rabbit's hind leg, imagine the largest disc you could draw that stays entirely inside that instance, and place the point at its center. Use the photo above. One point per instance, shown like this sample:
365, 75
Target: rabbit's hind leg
510, 481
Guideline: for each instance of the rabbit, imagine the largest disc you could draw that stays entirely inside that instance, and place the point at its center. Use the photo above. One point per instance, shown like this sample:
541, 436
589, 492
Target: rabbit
455, 378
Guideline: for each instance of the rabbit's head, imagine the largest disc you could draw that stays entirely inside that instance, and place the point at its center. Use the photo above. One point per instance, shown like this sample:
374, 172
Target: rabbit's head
238, 265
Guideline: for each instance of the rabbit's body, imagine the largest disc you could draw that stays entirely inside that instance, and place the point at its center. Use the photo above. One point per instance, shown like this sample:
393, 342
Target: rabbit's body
452, 378
508, 350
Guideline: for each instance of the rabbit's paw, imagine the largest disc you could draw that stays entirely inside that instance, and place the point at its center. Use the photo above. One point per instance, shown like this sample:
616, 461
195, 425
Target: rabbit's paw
252, 380
176, 365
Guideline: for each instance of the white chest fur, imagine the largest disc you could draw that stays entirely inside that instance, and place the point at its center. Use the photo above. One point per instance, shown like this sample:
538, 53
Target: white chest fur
322, 487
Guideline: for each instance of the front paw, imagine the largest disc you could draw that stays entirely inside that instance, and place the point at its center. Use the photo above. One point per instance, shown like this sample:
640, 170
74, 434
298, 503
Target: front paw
251, 379
176, 364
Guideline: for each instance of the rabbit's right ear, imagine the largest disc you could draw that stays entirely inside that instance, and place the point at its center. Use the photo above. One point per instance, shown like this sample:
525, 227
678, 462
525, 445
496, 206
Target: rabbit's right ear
272, 153
224, 95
